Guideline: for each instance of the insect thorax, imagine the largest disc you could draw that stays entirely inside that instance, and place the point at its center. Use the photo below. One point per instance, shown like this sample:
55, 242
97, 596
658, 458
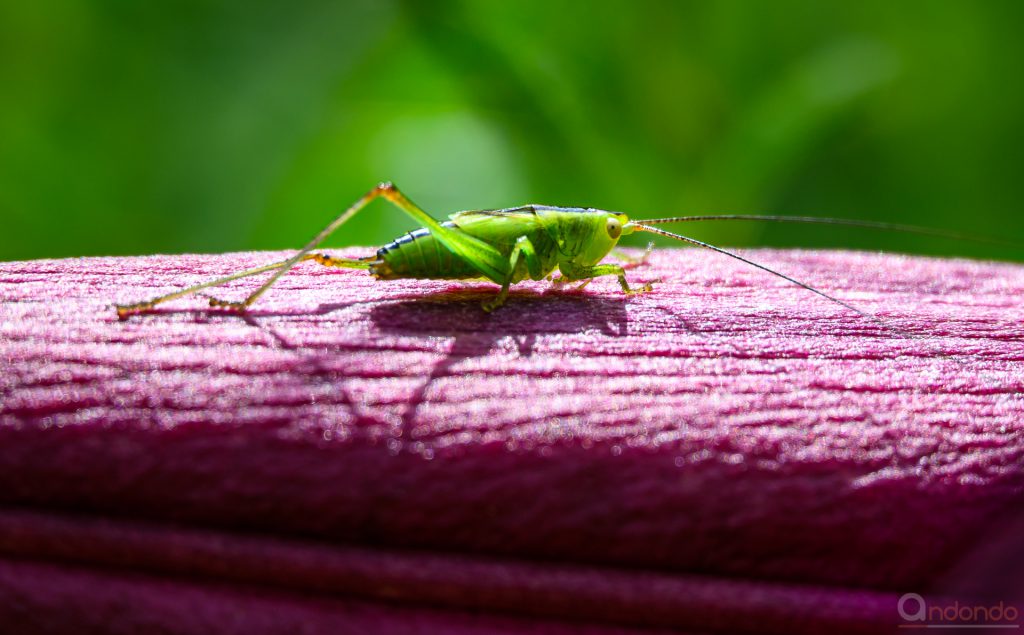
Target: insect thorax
582, 233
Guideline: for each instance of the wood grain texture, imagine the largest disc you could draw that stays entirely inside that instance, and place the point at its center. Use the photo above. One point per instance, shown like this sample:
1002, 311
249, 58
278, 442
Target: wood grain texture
727, 427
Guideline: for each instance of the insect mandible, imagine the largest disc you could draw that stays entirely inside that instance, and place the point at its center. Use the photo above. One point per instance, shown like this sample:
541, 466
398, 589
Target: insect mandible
505, 246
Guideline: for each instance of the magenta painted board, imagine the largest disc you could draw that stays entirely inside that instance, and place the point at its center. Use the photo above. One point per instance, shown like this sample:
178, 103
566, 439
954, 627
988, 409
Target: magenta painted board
728, 453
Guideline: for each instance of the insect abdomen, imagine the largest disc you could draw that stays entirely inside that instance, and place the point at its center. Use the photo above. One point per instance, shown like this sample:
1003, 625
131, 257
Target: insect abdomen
419, 255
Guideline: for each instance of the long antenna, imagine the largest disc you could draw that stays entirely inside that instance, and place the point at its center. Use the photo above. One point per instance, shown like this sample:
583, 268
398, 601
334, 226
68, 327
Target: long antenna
774, 218
693, 241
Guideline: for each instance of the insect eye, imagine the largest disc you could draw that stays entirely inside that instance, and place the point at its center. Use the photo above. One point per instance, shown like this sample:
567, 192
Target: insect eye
614, 228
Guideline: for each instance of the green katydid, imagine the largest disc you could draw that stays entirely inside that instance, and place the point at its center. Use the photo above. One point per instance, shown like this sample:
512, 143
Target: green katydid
505, 246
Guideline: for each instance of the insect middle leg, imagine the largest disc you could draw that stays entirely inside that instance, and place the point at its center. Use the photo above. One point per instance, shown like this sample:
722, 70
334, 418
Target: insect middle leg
572, 272
522, 249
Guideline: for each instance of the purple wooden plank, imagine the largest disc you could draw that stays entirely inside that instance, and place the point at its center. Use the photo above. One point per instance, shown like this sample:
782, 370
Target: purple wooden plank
727, 424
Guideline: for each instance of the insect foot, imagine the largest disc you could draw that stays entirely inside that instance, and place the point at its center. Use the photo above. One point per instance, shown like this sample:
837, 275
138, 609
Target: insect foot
125, 311
490, 305
645, 288
561, 281
238, 307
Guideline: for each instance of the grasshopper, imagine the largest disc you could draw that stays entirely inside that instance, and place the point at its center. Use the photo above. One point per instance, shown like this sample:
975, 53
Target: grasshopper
505, 246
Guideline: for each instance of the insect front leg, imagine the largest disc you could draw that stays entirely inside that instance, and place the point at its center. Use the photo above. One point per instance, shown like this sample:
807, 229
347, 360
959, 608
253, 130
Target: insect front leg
571, 271
522, 249
633, 261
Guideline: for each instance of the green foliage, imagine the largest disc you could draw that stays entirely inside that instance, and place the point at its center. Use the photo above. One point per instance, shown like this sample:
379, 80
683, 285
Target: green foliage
138, 127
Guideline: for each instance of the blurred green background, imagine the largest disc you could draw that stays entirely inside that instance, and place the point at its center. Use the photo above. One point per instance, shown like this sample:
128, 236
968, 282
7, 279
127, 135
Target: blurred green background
138, 127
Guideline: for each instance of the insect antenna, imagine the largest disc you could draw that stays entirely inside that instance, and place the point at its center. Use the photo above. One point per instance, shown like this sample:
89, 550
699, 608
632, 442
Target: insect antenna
693, 241
775, 218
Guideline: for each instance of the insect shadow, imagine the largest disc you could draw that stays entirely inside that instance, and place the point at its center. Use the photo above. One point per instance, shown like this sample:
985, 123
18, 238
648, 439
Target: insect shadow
474, 333
457, 314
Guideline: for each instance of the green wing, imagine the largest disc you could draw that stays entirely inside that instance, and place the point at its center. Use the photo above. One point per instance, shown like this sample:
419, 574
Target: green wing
500, 228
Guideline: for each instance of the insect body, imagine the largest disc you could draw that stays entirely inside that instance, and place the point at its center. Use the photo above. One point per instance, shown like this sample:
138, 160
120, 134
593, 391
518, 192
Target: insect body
505, 246
534, 239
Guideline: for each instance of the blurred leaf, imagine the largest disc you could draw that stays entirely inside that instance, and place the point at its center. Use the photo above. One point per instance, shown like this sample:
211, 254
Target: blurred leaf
213, 126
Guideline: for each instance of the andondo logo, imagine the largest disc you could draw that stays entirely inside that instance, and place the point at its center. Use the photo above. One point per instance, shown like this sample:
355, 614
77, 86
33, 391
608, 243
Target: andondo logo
918, 613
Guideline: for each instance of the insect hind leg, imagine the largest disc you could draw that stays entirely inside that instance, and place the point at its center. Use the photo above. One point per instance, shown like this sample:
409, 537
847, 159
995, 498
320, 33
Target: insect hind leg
124, 311
345, 263
485, 257
323, 259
